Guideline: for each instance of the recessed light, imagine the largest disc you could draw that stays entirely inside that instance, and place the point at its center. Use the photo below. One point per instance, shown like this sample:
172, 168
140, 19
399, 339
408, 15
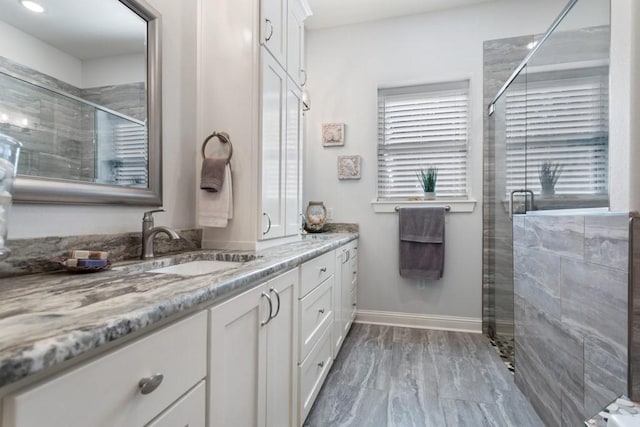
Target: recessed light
33, 6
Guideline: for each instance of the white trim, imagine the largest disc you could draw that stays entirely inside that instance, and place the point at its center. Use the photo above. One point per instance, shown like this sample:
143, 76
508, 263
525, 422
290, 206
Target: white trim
466, 206
421, 321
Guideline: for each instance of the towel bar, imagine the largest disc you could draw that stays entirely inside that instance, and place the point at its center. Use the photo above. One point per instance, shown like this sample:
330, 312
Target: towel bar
447, 208
224, 138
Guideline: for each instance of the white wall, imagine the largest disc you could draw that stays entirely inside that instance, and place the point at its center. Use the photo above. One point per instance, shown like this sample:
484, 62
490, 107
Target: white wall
179, 126
114, 70
346, 65
34, 53
624, 105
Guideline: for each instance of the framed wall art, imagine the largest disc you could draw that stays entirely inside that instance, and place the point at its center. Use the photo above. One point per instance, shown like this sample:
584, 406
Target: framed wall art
348, 167
332, 134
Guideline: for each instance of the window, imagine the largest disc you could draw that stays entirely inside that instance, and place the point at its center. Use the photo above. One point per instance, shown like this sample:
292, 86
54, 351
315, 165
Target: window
420, 127
563, 121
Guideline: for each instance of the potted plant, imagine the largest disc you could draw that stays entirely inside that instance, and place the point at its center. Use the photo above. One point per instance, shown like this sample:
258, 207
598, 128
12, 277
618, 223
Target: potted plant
428, 178
549, 173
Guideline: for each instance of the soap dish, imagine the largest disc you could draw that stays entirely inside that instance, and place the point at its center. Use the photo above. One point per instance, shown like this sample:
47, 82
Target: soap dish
62, 261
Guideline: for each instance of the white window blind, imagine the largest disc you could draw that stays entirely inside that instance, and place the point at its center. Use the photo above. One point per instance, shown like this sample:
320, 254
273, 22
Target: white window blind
420, 127
131, 154
564, 121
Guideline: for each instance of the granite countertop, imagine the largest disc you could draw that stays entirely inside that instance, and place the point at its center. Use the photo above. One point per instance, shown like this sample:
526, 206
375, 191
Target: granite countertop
49, 318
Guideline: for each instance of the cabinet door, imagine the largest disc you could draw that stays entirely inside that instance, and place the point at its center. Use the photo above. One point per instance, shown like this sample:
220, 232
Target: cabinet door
273, 33
293, 183
295, 43
237, 379
282, 333
274, 91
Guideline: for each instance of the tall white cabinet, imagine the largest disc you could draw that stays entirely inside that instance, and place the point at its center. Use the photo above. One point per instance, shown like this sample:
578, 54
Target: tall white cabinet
250, 71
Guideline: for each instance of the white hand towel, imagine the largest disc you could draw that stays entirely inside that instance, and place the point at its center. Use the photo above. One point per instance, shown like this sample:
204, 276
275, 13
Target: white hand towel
216, 209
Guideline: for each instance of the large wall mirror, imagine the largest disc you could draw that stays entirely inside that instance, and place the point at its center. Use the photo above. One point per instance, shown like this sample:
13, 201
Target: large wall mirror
80, 89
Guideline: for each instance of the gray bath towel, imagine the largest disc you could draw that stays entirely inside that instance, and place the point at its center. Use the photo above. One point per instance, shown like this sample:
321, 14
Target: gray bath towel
422, 243
212, 174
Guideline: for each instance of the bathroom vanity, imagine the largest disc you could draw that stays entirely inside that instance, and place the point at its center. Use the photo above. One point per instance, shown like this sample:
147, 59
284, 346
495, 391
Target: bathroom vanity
247, 345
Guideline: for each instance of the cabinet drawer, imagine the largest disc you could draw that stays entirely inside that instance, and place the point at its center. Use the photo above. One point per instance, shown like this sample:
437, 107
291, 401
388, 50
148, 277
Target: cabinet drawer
189, 411
105, 391
316, 271
316, 315
313, 371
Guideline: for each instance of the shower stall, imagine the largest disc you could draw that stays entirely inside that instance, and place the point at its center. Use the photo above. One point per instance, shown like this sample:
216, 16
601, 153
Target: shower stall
546, 140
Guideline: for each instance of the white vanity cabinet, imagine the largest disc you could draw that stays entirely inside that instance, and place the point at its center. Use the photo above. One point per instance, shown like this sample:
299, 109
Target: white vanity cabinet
126, 387
253, 348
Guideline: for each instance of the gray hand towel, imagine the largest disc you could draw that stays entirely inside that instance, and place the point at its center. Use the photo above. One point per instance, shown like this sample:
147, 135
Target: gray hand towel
212, 174
422, 243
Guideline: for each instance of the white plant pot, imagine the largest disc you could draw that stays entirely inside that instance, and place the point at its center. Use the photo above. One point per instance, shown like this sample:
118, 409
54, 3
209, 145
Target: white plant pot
429, 195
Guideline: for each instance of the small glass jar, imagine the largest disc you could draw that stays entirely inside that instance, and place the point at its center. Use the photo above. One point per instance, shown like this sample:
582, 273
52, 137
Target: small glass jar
316, 217
9, 153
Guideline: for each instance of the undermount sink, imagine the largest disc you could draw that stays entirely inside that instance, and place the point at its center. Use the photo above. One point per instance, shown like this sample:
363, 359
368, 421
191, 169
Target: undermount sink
196, 268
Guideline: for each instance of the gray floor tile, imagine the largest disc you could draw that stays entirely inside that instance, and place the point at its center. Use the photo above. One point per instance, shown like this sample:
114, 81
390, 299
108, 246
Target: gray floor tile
404, 377
460, 413
344, 406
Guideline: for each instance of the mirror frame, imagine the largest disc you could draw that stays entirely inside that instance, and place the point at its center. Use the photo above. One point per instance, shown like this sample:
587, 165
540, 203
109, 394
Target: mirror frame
33, 189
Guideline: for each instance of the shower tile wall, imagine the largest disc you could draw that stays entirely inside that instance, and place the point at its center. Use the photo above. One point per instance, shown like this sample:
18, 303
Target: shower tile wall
571, 313
59, 139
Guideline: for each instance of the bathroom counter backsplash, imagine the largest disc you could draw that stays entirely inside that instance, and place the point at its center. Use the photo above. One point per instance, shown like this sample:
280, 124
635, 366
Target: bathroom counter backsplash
30, 256
49, 318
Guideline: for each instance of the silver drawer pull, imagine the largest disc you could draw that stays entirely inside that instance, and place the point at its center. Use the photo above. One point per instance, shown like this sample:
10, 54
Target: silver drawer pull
148, 384
321, 364
323, 269
354, 304
321, 311
355, 272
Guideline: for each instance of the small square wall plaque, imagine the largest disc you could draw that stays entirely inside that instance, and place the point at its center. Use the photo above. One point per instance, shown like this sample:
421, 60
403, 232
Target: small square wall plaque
332, 134
348, 167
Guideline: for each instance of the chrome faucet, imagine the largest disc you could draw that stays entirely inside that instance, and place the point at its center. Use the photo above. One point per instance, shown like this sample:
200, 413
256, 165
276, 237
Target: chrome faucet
149, 233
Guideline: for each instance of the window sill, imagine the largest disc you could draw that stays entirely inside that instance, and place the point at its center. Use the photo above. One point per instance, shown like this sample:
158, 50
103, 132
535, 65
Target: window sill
462, 206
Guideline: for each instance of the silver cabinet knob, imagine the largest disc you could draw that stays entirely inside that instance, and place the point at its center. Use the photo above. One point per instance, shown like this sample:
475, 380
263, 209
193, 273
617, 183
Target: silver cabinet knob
321, 364
321, 311
149, 384
323, 269
354, 304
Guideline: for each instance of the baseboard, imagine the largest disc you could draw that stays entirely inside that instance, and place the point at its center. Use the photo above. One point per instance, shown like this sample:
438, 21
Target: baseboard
422, 321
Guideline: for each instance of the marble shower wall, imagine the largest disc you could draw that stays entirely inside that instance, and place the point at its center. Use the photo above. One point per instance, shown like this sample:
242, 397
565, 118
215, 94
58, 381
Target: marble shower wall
571, 285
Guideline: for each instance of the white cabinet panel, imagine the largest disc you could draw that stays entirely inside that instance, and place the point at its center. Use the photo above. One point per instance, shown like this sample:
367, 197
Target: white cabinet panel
237, 396
274, 95
281, 352
316, 316
273, 28
295, 44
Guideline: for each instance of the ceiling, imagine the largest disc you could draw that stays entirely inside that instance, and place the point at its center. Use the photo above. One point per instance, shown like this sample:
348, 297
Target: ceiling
85, 29
332, 13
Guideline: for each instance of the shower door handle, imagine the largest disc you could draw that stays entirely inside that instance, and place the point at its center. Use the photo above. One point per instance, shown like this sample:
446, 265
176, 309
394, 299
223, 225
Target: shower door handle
514, 192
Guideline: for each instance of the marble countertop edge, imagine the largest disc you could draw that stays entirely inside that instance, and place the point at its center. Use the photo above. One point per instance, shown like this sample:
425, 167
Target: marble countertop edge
42, 346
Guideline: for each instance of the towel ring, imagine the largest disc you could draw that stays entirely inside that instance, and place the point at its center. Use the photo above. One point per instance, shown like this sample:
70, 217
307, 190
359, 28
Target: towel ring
224, 138
447, 208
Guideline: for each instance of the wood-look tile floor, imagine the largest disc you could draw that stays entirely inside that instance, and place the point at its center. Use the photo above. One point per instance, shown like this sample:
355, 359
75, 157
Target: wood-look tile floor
402, 377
